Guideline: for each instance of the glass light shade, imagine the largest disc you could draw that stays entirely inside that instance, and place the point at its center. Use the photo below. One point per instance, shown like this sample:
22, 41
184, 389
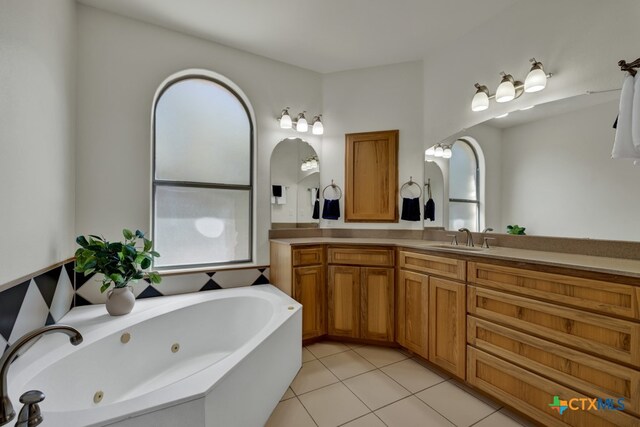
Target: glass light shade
302, 125
430, 151
480, 101
506, 91
447, 153
439, 151
318, 128
285, 121
314, 164
536, 80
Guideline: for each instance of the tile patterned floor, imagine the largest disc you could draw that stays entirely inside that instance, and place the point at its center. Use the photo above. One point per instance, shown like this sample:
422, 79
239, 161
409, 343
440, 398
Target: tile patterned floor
364, 386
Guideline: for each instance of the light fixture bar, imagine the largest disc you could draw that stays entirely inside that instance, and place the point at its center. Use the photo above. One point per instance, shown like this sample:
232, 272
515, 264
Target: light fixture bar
519, 86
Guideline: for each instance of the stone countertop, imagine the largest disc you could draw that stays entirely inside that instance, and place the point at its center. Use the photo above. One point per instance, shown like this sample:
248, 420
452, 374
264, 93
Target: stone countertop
616, 266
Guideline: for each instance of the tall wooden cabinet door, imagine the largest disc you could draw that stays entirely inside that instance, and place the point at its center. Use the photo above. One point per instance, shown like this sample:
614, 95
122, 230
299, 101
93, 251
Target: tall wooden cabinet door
377, 304
447, 325
344, 301
413, 309
309, 290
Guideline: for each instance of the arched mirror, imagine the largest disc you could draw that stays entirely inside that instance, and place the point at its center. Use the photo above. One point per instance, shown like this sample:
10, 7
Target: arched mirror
295, 182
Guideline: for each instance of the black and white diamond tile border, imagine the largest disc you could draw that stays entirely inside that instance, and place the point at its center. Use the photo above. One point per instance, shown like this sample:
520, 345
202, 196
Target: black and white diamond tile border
88, 288
38, 301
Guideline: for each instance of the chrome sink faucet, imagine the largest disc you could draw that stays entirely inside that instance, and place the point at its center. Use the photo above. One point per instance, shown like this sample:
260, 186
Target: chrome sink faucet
469, 236
6, 408
485, 239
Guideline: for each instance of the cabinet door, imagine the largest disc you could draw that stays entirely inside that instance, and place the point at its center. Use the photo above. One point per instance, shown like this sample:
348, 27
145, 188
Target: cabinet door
344, 301
377, 304
412, 314
309, 290
447, 325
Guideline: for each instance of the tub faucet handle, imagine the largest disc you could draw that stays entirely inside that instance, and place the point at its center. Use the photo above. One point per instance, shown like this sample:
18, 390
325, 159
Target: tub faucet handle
30, 415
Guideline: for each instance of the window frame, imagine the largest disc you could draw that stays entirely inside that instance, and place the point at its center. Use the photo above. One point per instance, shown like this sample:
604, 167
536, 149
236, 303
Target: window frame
155, 183
477, 180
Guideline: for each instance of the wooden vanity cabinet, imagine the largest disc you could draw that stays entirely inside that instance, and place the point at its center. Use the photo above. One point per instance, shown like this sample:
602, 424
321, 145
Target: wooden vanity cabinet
431, 310
361, 293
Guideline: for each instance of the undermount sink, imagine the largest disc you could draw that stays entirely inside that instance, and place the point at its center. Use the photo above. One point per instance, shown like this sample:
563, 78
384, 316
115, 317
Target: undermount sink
460, 248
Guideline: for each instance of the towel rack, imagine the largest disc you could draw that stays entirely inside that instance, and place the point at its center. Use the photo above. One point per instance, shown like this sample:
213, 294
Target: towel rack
629, 66
336, 188
409, 184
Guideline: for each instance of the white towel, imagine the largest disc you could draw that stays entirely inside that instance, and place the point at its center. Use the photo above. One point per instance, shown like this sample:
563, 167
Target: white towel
623, 147
635, 114
282, 200
313, 192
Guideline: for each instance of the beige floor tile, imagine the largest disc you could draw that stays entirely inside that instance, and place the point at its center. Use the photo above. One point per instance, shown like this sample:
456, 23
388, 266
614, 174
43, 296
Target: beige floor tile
326, 348
347, 364
354, 345
311, 376
290, 413
376, 389
380, 356
370, 420
494, 404
455, 404
412, 375
411, 412
517, 418
307, 356
333, 405
426, 364
288, 394
497, 419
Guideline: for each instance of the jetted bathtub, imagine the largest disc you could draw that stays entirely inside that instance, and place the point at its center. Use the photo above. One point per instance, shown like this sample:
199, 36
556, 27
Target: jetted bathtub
216, 358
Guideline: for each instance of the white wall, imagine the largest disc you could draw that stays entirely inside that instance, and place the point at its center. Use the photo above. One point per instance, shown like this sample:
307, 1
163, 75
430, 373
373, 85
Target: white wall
121, 63
559, 180
371, 99
580, 41
37, 167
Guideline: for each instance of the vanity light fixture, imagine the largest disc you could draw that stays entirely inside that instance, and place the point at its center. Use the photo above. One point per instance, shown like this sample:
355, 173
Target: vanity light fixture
439, 152
447, 153
430, 151
510, 88
308, 164
300, 123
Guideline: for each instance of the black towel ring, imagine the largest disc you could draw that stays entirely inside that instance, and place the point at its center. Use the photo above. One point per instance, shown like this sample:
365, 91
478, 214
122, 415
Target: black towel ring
336, 189
409, 184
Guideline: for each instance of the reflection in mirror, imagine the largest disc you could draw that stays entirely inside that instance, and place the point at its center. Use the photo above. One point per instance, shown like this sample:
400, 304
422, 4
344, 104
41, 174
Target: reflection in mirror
549, 169
295, 180
434, 184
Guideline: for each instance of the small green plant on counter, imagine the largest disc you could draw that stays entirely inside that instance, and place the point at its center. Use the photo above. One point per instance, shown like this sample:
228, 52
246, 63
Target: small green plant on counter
119, 262
516, 229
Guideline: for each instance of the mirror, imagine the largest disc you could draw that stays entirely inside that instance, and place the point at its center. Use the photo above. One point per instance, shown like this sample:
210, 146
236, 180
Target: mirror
434, 185
549, 169
295, 179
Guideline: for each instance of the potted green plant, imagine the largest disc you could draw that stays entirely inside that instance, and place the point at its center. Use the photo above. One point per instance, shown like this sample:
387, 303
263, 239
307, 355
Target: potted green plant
516, 230
120, 263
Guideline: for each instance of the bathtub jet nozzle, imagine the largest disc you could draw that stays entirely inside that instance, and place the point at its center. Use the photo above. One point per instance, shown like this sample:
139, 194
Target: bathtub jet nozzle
7, 412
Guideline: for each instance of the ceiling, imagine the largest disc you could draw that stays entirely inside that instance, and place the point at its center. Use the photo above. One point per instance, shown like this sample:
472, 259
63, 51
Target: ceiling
320, 35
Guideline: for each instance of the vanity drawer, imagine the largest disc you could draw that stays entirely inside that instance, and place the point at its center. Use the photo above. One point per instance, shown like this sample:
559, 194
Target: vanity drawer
532, 394
589, 374
436, 265
308, 255
606, 337
379, 257
595, 295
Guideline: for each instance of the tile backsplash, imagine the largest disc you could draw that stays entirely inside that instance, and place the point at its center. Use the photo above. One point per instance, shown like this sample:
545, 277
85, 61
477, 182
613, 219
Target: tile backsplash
44, 298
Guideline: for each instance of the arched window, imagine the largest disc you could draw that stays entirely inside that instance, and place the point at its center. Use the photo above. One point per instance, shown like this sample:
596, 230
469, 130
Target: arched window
202, 173
464, 187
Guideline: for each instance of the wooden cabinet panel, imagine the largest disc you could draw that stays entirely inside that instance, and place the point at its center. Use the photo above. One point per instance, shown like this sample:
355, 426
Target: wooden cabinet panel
588, 374
371, 177
344, 301
412, 312
308, 255
377, 304
309, 290
361, 256
447, 325
596, 295
532, 394
604, 336
436, 265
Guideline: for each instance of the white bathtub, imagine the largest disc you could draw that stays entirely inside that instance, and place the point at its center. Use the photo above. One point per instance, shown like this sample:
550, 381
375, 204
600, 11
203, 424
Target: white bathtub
239, 350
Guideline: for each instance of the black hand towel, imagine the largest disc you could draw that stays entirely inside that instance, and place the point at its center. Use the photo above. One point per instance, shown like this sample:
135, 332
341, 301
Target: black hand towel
316, 206
430, 210
410, 209
331, 209
276, 190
